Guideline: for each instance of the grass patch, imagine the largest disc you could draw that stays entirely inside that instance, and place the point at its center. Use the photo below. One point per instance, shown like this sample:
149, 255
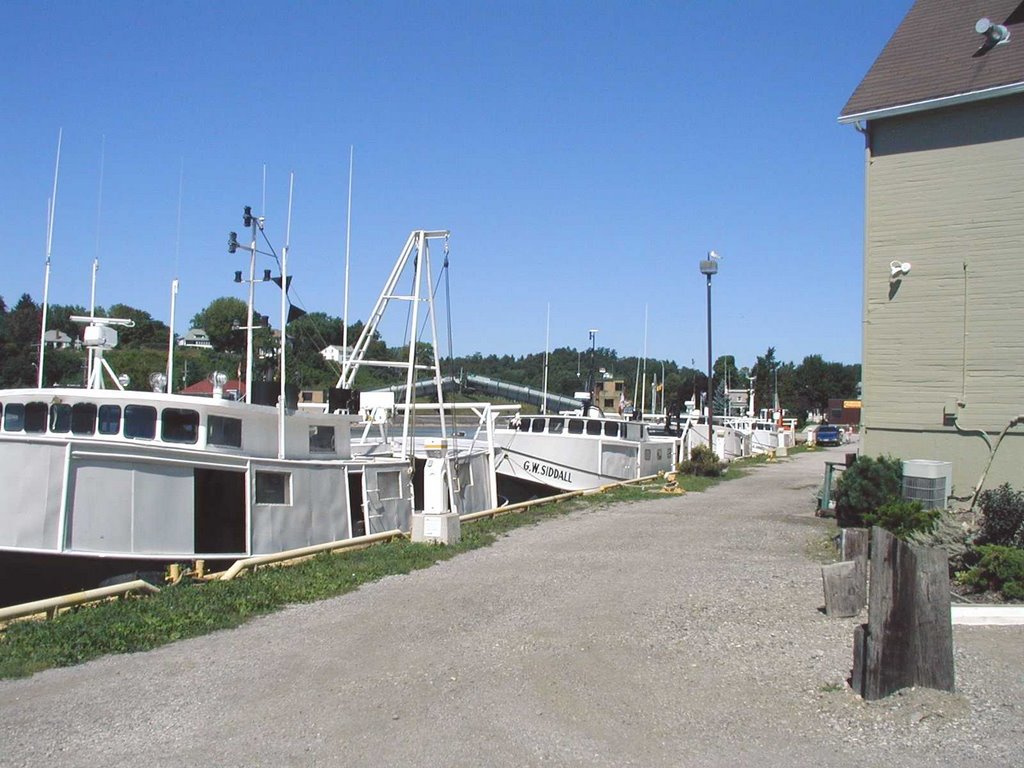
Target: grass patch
821, 548
132, 624
188, 609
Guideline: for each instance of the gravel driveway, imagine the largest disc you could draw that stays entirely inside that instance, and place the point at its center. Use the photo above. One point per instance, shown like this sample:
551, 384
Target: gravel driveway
684, 631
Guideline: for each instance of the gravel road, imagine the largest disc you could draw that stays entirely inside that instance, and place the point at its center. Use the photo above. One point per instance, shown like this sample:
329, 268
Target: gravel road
684, 631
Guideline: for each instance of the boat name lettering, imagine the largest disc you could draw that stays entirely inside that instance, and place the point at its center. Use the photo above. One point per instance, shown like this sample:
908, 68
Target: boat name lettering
545, 470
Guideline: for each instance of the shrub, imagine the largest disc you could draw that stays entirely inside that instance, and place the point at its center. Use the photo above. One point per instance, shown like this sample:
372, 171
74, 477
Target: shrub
1001, 569
702, 462
1003, 522
866, 486
904, 519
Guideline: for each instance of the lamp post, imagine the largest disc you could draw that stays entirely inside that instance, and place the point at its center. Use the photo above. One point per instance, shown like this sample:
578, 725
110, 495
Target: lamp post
709, 267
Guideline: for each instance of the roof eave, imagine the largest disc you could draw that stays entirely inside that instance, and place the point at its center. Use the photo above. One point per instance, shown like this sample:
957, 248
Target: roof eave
945, 101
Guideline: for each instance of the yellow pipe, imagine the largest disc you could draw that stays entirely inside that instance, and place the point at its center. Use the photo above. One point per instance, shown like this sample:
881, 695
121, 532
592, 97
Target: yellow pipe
52, 605
303, 552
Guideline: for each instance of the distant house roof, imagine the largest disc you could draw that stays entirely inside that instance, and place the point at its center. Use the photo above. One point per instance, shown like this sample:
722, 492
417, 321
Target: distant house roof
204, 388
936, 58
54, 336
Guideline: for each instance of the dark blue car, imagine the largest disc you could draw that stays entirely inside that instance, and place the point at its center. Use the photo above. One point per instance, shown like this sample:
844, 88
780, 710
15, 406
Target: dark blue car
828, 434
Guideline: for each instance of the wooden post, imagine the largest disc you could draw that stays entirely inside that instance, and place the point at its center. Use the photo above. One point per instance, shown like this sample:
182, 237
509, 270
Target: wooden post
854, 546
909, 640
844, 590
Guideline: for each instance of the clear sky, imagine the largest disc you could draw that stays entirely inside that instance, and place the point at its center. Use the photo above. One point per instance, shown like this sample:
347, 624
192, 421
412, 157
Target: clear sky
584, 155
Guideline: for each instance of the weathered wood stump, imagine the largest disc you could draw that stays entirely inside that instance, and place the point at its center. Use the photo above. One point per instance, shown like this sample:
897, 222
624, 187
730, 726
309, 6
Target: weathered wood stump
908, 640
855, 546
844, 588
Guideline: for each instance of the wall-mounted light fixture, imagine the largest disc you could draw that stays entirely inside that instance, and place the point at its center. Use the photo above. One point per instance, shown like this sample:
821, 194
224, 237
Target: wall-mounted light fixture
898, 269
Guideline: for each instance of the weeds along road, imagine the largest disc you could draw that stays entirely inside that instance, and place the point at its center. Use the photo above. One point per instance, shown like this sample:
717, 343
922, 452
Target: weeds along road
681, 631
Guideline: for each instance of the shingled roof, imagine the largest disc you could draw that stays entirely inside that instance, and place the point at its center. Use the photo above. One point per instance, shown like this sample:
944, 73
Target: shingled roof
936, 58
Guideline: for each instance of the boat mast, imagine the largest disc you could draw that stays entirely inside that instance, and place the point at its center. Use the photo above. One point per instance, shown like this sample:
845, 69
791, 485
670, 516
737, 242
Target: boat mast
643, 389
174, 284
284, 316
547, 346
348, 242
51, 208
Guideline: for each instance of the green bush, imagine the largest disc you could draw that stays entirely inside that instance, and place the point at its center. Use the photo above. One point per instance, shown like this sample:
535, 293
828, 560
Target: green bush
866, 486
904, 519
702, 462
1001, 569
1003, 521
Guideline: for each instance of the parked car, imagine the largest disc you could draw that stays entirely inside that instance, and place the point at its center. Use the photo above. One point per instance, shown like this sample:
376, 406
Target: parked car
828, 434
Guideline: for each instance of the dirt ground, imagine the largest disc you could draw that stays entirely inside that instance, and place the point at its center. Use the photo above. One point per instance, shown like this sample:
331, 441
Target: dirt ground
681, 631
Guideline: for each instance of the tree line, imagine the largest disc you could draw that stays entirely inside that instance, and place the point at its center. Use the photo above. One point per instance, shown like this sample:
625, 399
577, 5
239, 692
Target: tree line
142, 350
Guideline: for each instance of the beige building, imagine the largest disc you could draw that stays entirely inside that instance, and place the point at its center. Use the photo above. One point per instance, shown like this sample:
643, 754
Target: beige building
942, 113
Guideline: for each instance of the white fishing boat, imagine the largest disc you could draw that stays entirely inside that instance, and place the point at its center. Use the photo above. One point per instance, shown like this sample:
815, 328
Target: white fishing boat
100, 481
571, 452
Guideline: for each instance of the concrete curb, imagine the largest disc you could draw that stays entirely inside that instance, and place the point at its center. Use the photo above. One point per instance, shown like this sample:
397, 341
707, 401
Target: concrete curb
988, 615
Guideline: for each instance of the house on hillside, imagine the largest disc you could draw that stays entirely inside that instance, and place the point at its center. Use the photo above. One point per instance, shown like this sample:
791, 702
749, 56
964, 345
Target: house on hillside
196, 337
59, 340
334, 353
942, 114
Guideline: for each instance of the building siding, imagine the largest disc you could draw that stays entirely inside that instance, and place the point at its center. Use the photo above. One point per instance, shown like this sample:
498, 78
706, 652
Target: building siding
945, 192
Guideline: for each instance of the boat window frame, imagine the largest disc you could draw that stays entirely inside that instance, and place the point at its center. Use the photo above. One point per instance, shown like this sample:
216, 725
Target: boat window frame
179, 425
60, 416
268, 494
102, 419
317, 444
131, 418
594, 427
575, 426
556, 425
37, 416
15, 413
611, 429
78, 420
222, 430
524, 425
537, 426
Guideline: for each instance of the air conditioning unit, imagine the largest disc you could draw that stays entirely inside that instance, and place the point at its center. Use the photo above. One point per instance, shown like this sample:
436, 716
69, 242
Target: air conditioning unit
927, 481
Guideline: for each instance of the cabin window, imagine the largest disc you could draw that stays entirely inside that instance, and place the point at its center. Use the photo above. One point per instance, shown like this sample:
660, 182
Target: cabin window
35, 417
538, 425
647, 454
110, 419
273, 488
555, 426
14, 417
321, 439
611, 429
593, 427
83, 418
179, 425
140, 422
221, 430
389, 485
524, 425
575, 426
60, 417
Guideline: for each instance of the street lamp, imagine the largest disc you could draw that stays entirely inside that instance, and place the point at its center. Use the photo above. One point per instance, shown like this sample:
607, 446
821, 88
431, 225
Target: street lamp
709, 267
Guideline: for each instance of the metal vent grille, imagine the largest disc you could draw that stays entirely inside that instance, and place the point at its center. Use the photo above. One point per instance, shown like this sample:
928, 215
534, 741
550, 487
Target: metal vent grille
929, 482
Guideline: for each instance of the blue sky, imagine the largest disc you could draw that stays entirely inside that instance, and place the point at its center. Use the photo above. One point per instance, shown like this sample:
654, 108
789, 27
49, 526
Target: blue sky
585, 155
